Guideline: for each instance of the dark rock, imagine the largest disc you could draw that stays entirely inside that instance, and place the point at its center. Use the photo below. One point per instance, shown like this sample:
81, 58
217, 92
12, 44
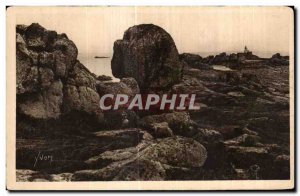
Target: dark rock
278, 60
47, 48
46, 77
217, 158
123, 154
208, 59
79, 75
194, 61
36, 37
160, 130
282, 167
124, 137
206, 136
82, 99
179, 122
283, 159
21, 29
104, 78
65, 53
60, 65
236, 94
233, 57
141, 169
244, 157
147, 161
131, 84
21, 45
23, 175
277, 55
243, 140
46, 59
120, 118
177, 151
43, 105
220, 58
53, 84
249, 132
188, 85
190, 58
68, 153
27, 77
127, 86
148, 54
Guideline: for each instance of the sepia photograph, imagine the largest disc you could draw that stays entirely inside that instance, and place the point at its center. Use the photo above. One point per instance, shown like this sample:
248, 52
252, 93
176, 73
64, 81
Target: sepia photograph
150, 98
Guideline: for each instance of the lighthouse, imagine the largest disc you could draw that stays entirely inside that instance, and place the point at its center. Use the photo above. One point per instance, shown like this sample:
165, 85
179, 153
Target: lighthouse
246, 50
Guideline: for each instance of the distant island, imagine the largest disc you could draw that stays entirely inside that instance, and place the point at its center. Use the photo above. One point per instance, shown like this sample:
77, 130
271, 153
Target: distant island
101, 57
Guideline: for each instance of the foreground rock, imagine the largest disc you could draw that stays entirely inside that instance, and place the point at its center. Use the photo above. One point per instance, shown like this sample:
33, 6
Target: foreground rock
146, 162
68, 153
148, 54
23, 175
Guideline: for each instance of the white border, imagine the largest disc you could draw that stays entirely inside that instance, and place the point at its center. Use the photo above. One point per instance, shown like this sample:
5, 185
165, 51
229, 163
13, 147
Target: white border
95, 2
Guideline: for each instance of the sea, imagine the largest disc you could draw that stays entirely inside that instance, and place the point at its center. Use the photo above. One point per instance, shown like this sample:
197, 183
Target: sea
98, 66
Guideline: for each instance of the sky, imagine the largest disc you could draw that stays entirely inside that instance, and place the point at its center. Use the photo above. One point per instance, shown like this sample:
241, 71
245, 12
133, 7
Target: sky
201, 30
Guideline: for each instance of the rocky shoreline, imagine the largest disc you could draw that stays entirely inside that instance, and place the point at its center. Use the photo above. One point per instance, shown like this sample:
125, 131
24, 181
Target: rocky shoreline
241, 131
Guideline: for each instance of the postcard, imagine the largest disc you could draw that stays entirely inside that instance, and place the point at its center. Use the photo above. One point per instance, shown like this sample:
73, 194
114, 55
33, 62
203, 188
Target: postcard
150, 98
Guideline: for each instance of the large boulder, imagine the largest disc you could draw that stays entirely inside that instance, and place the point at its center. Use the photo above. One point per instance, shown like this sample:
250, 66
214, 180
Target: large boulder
43, 61
148, 54
52, 84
